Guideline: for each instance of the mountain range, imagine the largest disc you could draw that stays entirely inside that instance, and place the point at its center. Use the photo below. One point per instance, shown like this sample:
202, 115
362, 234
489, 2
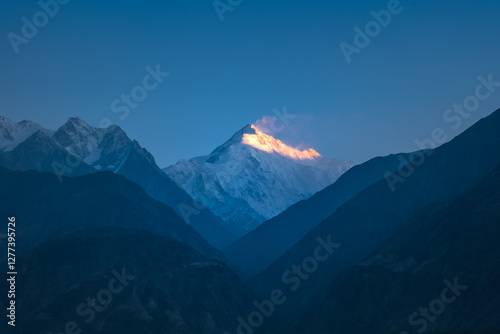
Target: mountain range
256, 237
223, 195
76, 149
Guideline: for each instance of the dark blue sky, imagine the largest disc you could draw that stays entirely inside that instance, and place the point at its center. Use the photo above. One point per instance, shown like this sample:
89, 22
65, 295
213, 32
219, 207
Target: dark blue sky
264, 55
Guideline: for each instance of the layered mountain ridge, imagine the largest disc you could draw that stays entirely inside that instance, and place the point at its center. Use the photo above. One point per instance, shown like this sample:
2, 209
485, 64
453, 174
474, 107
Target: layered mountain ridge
395, 248
374, 215
77, 148
101, 236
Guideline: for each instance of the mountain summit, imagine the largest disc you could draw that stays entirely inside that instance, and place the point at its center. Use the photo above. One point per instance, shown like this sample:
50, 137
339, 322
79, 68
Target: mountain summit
250, 135
104, 149
253, 177
269, 144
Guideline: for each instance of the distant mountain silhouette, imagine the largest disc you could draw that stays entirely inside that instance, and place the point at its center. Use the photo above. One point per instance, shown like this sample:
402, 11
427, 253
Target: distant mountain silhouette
44, 207
113, 280
369, 219
384, 292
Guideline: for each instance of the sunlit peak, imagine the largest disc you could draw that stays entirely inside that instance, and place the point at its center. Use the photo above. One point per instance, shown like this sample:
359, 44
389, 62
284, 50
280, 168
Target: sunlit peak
269, 144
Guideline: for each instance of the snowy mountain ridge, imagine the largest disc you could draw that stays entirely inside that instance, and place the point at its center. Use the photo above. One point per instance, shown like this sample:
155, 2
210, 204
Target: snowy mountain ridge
104, 149
253, 177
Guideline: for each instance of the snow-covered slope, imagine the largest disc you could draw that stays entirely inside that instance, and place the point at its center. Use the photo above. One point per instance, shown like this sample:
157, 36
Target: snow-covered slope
253, 177
13, 134
104, 149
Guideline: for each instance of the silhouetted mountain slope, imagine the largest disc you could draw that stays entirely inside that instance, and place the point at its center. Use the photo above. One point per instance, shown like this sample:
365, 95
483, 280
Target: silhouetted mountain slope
371, 217
280, 233
44, 206
383, 293
113, 280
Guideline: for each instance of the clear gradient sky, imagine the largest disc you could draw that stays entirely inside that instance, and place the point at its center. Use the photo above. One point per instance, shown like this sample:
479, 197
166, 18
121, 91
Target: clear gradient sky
264, 55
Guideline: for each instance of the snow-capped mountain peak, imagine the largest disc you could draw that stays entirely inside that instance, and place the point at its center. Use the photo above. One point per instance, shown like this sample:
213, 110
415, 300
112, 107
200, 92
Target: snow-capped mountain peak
269, 144
105, 149
12, 134
80, 139
237, 138
254, 176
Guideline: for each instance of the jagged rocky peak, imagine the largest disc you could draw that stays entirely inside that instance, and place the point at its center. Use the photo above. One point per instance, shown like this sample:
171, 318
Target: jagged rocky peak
73, 129
92, 144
